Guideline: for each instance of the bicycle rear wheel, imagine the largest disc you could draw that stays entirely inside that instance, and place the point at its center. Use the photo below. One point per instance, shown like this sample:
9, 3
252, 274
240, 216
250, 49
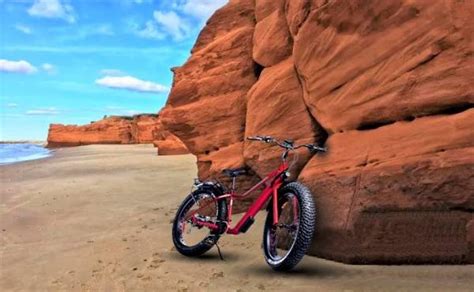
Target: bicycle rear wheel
189, 238
286, 243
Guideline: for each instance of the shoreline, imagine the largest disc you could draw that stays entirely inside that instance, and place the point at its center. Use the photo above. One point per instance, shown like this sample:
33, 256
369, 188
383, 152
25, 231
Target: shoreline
13, 153
98, 217
35, 142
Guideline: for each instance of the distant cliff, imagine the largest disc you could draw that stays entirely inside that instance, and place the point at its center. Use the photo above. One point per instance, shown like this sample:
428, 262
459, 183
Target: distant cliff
138, 129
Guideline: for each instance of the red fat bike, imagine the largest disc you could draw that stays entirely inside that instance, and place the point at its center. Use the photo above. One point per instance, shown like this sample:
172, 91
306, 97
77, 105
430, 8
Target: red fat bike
206, 213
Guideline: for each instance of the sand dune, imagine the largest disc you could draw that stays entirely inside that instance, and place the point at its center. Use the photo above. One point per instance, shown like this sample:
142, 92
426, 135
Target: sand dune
97, 218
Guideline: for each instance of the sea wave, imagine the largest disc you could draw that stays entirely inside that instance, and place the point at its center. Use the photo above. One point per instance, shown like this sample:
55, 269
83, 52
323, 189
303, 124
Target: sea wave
17, 152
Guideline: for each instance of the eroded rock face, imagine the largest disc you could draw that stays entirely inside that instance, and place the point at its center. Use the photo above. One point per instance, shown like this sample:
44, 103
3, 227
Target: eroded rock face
272, 42
139, 129
384, 62
275, 107
387, 85
142, 128
167, 143
206, 106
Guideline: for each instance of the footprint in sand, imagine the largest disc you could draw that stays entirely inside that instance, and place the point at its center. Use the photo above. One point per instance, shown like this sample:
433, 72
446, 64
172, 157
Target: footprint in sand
203, 284
217, 275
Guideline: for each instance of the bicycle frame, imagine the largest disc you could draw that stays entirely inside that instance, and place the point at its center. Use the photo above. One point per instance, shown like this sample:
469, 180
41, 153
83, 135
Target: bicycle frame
270, 191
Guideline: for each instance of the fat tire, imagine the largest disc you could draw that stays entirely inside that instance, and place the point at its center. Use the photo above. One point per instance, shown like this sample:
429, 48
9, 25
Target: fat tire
306, 227
206, 244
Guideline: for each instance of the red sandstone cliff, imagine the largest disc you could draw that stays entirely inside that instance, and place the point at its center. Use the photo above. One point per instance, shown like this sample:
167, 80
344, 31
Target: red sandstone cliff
388, 85
138, 129
167, 143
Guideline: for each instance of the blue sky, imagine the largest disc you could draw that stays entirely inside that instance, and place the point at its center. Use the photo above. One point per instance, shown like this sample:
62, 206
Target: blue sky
75, 61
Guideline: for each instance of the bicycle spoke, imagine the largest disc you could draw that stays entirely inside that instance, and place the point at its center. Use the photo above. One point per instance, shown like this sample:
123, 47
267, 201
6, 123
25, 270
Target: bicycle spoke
283, 235
202, 208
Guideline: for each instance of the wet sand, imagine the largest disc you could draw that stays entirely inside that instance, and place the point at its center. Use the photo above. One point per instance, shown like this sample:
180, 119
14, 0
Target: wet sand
97, 218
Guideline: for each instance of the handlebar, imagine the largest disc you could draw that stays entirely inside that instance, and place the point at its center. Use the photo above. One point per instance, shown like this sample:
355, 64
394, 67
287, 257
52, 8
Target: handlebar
287, 144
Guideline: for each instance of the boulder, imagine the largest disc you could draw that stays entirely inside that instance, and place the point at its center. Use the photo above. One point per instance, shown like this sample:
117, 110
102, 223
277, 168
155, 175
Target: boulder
382, 193
272, 42
296, 13
367, 65
264, 8
275, 107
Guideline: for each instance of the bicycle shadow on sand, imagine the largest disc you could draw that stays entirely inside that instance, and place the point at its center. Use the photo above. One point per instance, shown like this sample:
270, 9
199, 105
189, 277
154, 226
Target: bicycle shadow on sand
303, 270
311, 268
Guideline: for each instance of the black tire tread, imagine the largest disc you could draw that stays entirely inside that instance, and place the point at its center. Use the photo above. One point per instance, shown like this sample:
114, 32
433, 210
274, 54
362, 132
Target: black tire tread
306, 228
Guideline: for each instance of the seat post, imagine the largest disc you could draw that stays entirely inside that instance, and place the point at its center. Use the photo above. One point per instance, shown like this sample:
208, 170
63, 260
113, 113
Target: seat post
233, 183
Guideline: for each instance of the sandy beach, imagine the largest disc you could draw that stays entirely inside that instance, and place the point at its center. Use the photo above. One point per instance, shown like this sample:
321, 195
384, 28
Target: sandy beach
97, 218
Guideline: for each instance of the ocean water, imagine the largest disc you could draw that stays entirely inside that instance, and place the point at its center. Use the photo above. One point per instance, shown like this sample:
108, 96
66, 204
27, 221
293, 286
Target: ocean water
12, 153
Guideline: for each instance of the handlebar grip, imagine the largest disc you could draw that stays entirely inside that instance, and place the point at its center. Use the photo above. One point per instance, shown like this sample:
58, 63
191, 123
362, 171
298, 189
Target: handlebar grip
321, 149
314, 148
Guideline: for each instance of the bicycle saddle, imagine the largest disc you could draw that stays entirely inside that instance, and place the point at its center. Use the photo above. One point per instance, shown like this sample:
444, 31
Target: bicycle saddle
233, 172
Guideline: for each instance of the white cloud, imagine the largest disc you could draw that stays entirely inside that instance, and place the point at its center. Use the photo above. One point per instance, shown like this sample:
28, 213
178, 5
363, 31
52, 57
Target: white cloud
200, 9
22, 67
112, 72
12, 105
150, 31
131, 83
52, 9
23, 28
48, 68
179, 19
172, 24
50, 111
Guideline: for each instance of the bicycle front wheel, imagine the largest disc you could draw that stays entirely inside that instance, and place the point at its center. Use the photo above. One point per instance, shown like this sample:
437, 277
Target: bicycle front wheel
286, 243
